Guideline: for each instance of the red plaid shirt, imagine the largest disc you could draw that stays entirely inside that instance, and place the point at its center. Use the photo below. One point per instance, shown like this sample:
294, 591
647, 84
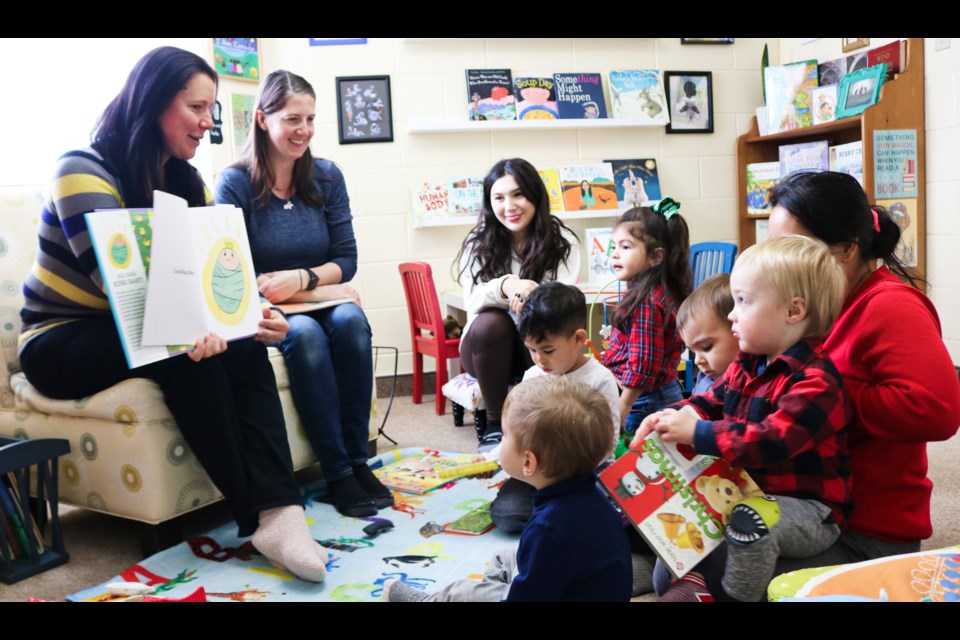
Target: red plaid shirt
647, 357
787, 426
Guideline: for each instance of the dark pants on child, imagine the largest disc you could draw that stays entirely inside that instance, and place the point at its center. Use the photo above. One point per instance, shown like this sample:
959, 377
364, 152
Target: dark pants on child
226, 407
493, 340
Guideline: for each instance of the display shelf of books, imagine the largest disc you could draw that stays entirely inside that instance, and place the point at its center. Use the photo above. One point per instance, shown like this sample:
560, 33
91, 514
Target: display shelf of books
900, 107
460, 124
23, 550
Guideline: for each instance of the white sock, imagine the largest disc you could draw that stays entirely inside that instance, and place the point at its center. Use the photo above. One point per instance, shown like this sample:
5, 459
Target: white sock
284, 539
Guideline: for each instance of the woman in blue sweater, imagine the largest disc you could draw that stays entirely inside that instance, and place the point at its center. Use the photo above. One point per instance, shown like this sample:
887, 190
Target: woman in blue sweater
301, 235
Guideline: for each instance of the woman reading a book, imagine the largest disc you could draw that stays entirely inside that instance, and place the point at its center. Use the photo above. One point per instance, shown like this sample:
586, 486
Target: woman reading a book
515, 246
301, 236
224, 399
887, 346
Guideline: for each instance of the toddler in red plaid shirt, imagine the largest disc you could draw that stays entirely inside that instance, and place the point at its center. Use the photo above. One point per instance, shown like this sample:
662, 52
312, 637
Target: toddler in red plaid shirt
651, 253
779, 411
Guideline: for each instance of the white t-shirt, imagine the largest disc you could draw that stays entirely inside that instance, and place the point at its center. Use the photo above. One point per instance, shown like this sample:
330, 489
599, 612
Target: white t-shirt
593, 374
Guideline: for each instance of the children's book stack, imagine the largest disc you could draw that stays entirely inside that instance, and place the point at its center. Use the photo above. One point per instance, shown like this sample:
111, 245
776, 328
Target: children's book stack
761, 177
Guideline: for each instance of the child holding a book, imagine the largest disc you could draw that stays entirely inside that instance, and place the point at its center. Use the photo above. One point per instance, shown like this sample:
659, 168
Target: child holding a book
651, 253
780, 412
553, 327
705, 328
556, 431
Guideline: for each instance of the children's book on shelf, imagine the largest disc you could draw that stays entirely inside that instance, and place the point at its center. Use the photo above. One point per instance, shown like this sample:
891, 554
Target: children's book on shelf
551, 180
420, 472
823, 102
679, 501
848, 158
536, 98
832, 71
431, 203
580, 96
804, 156
788, 95
639, 94
490, 95
636, 181
761, 177
599, 248
475, 522
588, 187
466, 196
11, 516
175, 273
895, 163
893, 54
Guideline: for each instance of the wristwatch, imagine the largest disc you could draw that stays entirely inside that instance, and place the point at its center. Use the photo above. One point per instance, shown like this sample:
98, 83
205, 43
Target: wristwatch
314, 280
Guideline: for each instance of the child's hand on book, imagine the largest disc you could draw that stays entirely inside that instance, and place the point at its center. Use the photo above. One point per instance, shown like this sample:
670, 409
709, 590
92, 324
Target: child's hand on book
207, 347
676, 426
646, 427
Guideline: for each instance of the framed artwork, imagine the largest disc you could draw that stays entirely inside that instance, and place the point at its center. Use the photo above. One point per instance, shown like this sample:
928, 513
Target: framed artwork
852, 44
706, 40
237, 58
363, 109
690, 95
859, 90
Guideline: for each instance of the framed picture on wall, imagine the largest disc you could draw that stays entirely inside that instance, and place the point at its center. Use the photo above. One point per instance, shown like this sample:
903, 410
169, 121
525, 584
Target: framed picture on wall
364, 113
237, 58
859, 90
690, 95
852, 44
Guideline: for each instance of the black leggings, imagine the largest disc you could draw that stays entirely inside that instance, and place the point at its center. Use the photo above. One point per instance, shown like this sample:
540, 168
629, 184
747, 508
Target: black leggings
226, 406
493, 353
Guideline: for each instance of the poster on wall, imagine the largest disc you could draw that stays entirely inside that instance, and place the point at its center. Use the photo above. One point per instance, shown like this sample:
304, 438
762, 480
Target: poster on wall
904, 213
363, 109
237, 58
895, 163
242, 109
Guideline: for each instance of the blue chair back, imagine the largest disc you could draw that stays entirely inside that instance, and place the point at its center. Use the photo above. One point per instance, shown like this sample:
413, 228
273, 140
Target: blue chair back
710, 258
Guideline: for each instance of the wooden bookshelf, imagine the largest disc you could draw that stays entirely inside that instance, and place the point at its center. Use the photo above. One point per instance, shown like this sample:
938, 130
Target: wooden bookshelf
900, 106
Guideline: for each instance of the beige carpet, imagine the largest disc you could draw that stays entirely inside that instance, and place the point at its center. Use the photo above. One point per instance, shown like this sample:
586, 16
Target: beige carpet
101, 546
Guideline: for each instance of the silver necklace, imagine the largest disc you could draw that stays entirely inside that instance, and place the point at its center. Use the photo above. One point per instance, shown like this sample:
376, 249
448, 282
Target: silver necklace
289, 204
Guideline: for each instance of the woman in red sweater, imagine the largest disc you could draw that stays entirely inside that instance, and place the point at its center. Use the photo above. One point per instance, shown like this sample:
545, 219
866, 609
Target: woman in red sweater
887, 346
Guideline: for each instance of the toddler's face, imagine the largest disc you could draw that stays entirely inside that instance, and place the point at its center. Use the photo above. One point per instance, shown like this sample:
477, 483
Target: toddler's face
712, 342
759, 314
557, 354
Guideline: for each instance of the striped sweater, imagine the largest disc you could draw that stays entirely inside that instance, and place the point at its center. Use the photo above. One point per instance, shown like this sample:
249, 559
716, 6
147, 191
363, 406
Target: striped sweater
64, 283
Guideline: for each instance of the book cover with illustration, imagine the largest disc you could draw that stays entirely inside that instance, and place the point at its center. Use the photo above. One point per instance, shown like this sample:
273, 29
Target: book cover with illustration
551, 180
679, 501
420, 472
536, 98
804, 156
174, 273
904, 213
788, 95
636, 181
580, 96
490, 95
848, 158
599, 248
465, 196
475, 522
831, 71
823, 102
639, 94
431, 203
587, 187
761, 177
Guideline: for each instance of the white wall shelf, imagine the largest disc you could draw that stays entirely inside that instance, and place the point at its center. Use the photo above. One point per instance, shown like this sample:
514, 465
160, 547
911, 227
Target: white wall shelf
460, 124
567, 215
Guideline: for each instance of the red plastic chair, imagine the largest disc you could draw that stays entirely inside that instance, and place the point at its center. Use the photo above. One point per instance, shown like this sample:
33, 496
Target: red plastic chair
423, 307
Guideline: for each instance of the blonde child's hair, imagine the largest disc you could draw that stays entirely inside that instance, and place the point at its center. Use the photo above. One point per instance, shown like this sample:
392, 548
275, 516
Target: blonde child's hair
800, 266
711, 297
563, 422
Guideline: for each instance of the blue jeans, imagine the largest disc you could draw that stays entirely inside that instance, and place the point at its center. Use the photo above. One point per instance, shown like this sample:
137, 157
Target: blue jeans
652, 402
330, 361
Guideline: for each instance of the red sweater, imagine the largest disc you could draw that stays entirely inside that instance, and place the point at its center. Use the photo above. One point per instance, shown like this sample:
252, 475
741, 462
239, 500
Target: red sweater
887, 346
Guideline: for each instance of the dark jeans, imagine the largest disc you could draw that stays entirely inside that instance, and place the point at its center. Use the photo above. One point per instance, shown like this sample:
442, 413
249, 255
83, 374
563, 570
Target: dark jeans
330, 360
493, 353
226, 406
651, 402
